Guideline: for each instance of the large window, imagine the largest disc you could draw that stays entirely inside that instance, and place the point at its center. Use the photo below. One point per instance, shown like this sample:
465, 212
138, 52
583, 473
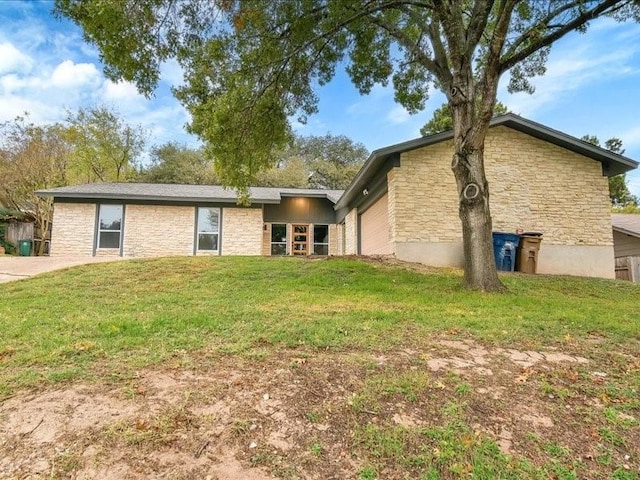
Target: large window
110, 226
278, 239
208, 228
321, 239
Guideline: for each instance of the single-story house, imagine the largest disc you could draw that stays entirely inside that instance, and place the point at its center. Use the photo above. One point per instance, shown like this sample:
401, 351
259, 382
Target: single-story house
403, 202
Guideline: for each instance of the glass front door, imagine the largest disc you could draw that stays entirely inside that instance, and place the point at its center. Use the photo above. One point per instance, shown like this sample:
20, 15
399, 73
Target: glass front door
300, 239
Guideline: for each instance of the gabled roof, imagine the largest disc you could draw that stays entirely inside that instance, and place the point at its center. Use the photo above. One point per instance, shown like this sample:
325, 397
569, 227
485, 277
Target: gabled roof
612, 163
181, 193
626, 223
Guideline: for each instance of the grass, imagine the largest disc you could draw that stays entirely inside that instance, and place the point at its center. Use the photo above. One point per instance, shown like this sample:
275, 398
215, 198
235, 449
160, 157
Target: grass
104, 322
120, 316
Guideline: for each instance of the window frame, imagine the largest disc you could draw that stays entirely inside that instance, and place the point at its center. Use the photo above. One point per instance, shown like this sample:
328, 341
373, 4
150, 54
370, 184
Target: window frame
285, 243
100, 231
199, 232
320, 243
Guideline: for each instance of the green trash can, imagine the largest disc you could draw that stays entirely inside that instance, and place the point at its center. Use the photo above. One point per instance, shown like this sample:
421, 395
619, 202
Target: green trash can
24, 248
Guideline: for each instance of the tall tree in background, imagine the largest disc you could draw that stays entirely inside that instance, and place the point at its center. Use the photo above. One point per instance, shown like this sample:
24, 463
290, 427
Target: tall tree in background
174, 163
443, 121
332, 160
618, 190
250, 66
105, 147
32, 158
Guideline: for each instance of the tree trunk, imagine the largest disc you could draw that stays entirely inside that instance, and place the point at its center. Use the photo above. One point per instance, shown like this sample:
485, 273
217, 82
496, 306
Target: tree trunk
473, 193
479, 261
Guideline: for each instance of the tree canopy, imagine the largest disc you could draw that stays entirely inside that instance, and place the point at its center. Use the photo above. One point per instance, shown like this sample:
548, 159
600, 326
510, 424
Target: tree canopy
619, 192
251, 66
94, 145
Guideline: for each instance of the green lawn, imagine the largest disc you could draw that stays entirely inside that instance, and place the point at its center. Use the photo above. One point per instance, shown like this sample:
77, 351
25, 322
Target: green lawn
129, 314
345, 345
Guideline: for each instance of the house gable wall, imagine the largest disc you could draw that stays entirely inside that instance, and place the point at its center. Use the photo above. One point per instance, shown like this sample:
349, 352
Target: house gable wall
534, 186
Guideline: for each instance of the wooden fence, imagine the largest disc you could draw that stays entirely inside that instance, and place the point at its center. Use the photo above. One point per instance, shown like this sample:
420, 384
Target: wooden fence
17, 231
628, 268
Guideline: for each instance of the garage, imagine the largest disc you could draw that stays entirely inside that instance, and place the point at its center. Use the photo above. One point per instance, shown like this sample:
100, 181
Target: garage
374, 229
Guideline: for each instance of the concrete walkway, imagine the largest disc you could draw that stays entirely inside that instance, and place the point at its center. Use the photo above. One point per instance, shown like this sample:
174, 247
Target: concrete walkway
16, 268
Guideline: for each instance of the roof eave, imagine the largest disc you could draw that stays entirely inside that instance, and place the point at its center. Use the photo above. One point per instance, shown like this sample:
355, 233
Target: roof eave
626, 232
151, 198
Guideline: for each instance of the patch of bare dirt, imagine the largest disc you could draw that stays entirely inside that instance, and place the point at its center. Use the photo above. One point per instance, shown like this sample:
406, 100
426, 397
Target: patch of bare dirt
292, 415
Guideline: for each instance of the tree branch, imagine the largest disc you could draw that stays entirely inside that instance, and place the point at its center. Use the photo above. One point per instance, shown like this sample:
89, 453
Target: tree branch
517, 56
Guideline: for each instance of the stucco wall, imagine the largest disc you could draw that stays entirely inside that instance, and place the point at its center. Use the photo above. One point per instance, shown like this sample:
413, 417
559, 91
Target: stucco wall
534, 186
73, 229
242, 231
157, 230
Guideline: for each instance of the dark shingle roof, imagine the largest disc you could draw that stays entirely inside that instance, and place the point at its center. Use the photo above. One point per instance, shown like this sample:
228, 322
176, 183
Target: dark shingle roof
626, 223
181, 193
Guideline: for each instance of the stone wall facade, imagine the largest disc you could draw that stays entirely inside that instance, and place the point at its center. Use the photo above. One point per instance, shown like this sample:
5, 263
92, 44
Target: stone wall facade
351, 232
158, 230
534, 186
73, 229
242, 231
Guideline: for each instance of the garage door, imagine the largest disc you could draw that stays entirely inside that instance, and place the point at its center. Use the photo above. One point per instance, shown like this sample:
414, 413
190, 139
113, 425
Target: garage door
374, 229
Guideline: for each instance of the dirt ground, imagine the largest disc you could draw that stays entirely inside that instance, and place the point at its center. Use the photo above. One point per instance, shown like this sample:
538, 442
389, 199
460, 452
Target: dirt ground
292, 415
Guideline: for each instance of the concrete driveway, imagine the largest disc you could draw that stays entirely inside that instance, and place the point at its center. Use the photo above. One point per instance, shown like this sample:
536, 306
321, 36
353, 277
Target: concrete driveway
16, 268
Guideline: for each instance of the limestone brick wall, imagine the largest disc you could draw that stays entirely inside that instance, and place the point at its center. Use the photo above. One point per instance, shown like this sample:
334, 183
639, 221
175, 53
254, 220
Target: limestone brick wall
73, 229
242, 231
158, 230
534, 186
266, 240
351, 232
340, 239
333, 240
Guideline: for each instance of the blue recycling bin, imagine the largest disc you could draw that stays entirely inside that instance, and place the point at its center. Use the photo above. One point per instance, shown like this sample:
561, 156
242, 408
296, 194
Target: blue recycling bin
505, 246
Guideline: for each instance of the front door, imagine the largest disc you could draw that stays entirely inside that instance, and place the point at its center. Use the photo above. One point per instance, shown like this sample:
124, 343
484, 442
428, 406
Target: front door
300, 239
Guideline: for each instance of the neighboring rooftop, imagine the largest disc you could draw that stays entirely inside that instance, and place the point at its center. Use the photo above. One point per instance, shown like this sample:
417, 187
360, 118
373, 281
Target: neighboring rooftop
627, 223
182, 193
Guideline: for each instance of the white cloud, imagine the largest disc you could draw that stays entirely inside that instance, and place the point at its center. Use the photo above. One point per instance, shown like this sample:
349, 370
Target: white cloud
70, 75
579, 62
631, 136
398, 115
13, 60
120, 91
172, 73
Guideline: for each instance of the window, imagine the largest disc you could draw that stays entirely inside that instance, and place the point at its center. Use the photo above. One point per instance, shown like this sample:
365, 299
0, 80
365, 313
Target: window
110, 226
321, 239
208, 228
278, 239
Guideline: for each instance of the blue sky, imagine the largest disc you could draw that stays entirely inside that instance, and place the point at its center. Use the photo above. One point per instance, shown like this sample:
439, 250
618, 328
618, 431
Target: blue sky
592, 86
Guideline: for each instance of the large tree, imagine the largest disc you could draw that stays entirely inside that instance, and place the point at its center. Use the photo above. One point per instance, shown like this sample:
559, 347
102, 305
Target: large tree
105, 147
32, 158
175, 163
251, 65
441, 121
